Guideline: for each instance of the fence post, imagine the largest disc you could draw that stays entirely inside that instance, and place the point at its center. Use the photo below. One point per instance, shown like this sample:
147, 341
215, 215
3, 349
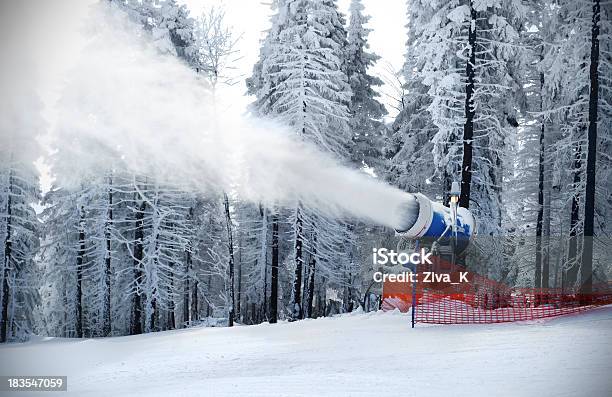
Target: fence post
416, 248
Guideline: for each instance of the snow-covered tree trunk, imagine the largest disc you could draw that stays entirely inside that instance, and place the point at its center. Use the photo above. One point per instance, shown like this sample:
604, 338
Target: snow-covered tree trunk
19, 228
80, 260
468, 126
231, 262
8, 253
108, 255
296, 310
586, 270
262, 261
366, 112
575, 220
137, 252
273, 312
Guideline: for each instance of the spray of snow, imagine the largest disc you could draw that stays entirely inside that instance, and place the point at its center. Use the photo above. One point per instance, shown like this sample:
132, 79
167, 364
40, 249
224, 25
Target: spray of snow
125, 106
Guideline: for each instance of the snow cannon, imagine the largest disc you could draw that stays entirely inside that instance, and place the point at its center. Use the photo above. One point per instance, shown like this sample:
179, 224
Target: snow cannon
421, 218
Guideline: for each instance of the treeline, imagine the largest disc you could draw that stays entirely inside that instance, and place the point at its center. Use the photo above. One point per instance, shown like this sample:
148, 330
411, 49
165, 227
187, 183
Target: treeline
509, 98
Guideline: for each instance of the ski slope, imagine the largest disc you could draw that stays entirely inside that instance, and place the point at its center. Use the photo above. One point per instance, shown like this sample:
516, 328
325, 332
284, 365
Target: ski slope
375, 354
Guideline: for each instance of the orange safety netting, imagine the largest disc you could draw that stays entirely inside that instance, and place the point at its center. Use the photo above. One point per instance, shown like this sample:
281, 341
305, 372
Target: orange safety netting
480, 300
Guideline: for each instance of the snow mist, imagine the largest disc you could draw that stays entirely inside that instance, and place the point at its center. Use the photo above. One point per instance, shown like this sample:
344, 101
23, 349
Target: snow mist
125, 106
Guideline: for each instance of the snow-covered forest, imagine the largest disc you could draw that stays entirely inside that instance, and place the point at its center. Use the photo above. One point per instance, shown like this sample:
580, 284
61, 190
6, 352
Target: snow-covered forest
511, 98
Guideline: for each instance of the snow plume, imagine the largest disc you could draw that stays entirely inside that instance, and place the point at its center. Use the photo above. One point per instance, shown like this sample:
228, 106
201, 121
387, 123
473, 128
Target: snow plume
128, 103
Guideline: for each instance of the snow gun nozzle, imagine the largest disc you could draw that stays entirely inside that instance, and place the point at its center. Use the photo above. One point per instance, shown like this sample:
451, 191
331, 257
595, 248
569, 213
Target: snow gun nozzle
407, 214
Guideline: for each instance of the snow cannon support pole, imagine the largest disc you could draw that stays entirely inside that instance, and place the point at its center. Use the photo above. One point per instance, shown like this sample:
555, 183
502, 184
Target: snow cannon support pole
414, 286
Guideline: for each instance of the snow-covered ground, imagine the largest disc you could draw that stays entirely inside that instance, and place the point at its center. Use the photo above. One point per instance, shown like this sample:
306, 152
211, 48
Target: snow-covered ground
373, 354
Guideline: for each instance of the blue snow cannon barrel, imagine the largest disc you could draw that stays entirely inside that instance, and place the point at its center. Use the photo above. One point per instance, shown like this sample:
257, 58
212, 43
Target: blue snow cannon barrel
422, 218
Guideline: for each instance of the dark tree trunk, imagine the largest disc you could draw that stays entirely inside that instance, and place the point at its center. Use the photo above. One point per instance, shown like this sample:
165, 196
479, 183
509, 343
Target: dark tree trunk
171, 322
586, 272
187, 276
263, 313
365, 302
274, 272
136, 327
468, 127
447, 181
108, 262
79, 272
265, 293
323, 300
539, 223
195, 313
186, 308
351, 302
348, 295
209, 287
305, 279
65, 302
186, 292
297, 311
230, 247
572, 256
7, 263
311, 277
239, 284
152, 321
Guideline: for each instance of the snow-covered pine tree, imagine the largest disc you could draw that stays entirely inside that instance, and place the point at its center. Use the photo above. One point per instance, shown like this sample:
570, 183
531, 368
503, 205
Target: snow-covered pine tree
550, 164
366, 112
569, 58
211, 258
465, 54
85, 245
19, 240
20, 123
157, 241
529, 186
410, 146
301, 80
368, 135
95, 209
252, 259
467, 51
58, 253
169, 23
